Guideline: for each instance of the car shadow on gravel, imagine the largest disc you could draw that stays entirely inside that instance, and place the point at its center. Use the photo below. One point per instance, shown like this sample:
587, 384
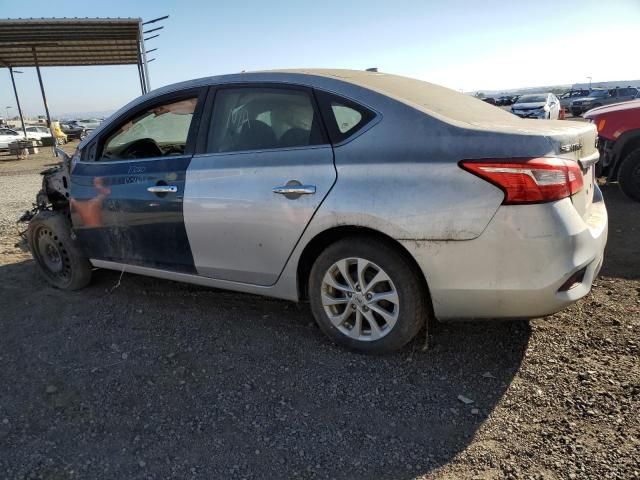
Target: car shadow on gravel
621, 255
155, 378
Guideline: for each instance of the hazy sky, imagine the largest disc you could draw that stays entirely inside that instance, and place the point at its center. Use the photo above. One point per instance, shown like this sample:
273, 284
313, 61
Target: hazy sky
462, 44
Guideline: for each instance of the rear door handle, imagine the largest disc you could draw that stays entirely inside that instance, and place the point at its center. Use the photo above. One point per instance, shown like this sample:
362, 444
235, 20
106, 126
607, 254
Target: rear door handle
295, 190
163, 189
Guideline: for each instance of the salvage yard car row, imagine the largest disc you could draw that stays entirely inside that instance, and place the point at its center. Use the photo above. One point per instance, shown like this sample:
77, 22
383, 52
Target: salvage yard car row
574, 101
63, 132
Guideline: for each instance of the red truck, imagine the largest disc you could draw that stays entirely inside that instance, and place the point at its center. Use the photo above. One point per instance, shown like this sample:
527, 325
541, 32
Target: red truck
619, 144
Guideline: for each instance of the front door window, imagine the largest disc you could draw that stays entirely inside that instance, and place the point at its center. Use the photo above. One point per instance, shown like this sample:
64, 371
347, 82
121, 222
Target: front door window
159, 131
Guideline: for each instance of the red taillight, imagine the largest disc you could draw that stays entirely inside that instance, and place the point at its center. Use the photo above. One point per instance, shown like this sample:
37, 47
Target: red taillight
529, 180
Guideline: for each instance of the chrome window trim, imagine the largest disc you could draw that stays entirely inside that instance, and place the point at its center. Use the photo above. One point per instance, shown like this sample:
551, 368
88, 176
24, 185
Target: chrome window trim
109, 162
262, 150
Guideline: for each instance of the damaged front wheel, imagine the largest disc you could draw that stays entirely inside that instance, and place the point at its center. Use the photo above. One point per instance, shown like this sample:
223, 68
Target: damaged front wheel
60, 261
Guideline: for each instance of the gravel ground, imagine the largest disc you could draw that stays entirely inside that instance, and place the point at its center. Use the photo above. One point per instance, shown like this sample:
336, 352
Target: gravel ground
155, 379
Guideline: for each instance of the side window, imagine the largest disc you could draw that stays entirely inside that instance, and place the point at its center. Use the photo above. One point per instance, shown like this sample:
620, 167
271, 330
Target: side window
342, 116
347, 118
263, 118
158, 131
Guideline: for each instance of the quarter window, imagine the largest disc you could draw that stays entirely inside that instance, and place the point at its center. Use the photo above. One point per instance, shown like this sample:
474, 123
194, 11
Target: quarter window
263, 118
159, 131
343, 117
347, 118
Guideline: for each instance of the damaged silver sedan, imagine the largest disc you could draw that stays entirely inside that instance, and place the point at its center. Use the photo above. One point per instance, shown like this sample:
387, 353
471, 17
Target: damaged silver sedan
385, 201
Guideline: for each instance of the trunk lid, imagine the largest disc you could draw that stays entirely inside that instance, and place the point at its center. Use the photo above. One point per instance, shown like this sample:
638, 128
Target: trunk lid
577, 142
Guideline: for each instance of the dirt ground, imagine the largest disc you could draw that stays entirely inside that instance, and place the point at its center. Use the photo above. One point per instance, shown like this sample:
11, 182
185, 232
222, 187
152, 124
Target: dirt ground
143, 378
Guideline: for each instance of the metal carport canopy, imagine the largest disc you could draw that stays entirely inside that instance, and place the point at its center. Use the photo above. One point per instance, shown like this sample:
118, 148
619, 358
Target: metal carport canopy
67, 42
70, 41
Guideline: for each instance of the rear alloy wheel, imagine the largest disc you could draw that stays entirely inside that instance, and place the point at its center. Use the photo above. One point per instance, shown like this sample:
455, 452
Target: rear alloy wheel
629, 175
366, 296
60, 262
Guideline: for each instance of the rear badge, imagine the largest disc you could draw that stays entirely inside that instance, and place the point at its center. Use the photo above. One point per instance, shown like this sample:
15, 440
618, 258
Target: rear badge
572, 147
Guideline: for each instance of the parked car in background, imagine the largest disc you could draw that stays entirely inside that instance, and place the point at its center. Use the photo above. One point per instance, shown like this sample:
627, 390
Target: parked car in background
505, 100
87, 124
567, 97
537, 105
37, 133
8, 135
74, 131
489, 100
600, 97
619, 144
322, 184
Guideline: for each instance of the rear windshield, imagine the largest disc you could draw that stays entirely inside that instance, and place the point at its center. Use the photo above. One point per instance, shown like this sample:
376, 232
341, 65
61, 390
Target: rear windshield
432, 98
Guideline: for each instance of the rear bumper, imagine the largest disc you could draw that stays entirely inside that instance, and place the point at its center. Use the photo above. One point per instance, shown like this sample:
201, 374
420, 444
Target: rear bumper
516, 268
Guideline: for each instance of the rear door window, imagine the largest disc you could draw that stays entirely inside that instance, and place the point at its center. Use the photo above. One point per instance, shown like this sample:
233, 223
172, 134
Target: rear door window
267, 118
343, 117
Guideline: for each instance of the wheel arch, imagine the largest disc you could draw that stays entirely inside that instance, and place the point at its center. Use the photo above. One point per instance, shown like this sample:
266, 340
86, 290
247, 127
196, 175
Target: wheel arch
327, 237
627, 143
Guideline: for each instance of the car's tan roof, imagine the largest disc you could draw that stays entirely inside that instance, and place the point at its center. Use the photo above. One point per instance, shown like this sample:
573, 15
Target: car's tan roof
422, 95
439, 102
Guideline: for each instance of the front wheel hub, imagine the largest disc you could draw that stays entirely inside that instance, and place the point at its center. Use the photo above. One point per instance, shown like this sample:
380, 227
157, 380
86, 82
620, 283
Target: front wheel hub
51, 253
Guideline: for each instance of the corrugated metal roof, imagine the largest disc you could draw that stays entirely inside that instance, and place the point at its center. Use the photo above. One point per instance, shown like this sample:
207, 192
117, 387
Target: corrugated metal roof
69, 41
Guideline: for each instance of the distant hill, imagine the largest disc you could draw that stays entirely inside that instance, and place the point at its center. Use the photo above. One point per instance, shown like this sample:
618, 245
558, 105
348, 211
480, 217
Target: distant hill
82, 115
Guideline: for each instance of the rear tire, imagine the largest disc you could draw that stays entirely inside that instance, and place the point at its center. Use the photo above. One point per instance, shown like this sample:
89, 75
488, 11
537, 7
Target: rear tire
59, 259
379, 308
629, 175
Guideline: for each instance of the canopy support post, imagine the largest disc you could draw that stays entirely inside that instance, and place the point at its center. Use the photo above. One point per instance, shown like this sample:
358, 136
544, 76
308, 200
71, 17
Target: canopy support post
15, 92
140, 73
44, 98
144, 59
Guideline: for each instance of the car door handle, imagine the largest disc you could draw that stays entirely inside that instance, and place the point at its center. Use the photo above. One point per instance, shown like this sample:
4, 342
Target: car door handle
163, 189
295, 190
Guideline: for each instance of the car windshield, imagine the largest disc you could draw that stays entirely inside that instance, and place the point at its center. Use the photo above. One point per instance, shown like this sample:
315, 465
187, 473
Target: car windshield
532, 99
599, 93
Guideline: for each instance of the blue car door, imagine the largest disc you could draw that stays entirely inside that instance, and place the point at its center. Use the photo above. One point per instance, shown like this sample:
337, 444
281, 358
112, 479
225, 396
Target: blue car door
127, 189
